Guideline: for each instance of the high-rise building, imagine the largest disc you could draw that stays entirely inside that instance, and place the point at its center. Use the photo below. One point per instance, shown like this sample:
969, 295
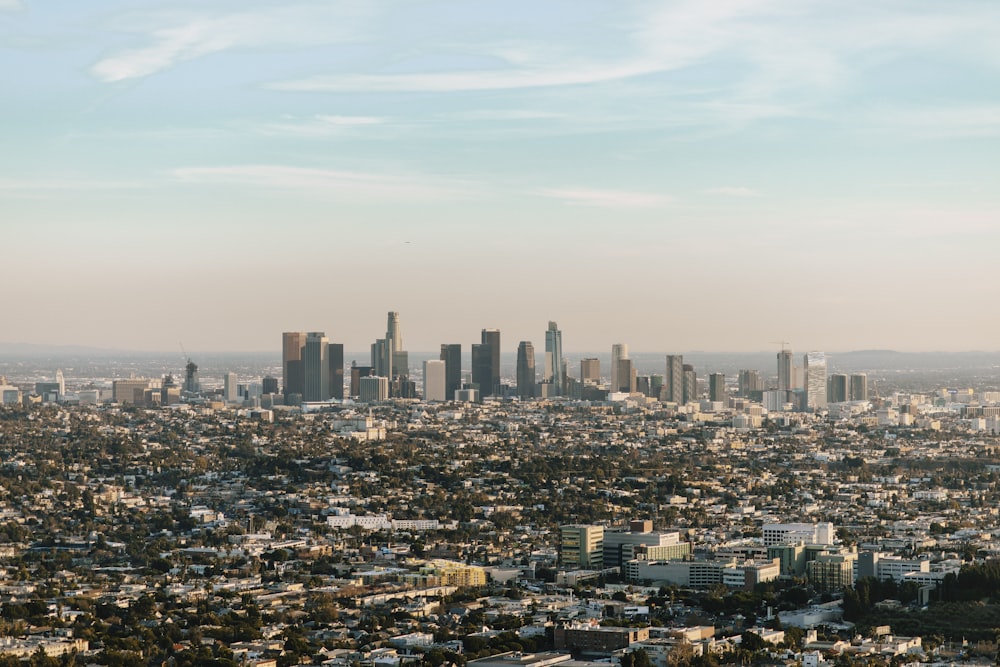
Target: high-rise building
838, 388
750, 384
621, 379
358, 372
381, 358
191, 383
393, 333
373, 388
814, 365
316, 367
717, 387
335, 356
590, 370
269, 385
859, 387
581, 546
293, 379
525, 369
554, 371
786, 372
435, 380
230, 391
673, 379
690, 384
60, 382
451, 355
482, 367
655, 385
491, 337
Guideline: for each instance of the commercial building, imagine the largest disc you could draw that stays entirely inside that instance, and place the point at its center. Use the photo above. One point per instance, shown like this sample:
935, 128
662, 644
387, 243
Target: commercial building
435, 380
525, 369
581, 546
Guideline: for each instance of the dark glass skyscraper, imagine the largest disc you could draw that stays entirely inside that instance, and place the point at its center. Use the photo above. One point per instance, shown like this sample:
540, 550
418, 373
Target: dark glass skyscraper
335, 355
482, 368
525, 369
491, 337
292, 375
451, 355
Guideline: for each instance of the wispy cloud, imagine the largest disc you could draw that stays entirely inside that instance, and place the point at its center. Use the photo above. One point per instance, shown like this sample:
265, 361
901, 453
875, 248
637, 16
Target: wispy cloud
349, 185
606, 198
10, 5
321, 125
732, 191
174, 39
974, 120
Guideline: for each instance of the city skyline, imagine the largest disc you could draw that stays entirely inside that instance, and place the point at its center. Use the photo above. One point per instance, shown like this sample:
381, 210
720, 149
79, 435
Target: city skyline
678, 175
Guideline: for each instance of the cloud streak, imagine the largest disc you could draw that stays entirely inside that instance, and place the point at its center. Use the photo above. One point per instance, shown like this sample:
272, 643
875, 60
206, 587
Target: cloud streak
346, 185
186, 38
732, 191
605, 198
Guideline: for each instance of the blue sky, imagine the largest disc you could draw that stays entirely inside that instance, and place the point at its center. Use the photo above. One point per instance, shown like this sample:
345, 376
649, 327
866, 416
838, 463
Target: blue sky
673, 175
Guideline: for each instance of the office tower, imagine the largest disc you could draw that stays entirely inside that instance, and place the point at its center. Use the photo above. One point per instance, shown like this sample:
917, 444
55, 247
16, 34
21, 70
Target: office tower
838, 388
814, 365
335, 357
491, 337
392, 332
581, 546
129, 390
859, 387
60, 382
230, 392
482, 367
717, 387
750, 383
373, 388
619, 381
191, 383
381, 358
786, 372
269, 385
642, 385
690, 384
525, 369
293, 379
673, 379
554, 371
358, 372
435, 380
451, 355
316, 367
590, 370
626, 376
655, 385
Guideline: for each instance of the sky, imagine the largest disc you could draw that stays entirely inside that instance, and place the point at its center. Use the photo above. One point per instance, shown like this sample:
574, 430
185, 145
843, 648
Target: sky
672, 175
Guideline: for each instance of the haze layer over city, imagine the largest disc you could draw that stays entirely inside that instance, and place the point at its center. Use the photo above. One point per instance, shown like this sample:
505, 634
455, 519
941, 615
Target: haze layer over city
678, 175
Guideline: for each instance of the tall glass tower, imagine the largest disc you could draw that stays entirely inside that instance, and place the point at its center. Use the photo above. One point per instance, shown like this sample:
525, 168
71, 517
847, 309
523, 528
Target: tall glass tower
554, 371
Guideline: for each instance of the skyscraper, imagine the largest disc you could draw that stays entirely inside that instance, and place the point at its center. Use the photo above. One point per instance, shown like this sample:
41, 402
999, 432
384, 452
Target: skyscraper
717, 387
451, 355
482, 366
838, 388
690, 384
292, 375
554, 370
491, 337
619, 381
316, 367
750, 383
786, 373
590, 370
335, 355
358, 372
191, 384
859, 387
673, 379
814, 364
435, 381
230, 390
525, 369
381, 358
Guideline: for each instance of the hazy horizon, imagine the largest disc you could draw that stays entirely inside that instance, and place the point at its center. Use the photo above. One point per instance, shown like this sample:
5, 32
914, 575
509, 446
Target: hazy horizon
682, 175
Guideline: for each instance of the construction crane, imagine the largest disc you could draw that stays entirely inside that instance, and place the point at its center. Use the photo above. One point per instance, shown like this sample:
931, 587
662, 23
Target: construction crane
782, 343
